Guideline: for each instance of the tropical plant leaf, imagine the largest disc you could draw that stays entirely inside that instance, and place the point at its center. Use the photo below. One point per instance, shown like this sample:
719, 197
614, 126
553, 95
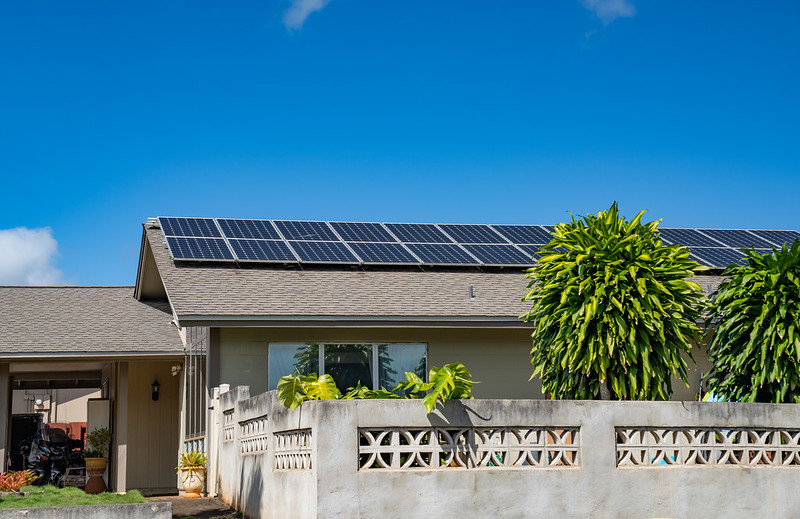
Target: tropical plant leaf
290, 391
321, 388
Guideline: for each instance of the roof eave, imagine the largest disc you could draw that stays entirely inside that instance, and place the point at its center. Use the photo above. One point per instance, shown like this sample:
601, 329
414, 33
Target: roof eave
295, 321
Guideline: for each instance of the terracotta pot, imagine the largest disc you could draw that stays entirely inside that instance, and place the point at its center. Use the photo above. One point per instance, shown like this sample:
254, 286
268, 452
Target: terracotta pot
95, 468
193, 481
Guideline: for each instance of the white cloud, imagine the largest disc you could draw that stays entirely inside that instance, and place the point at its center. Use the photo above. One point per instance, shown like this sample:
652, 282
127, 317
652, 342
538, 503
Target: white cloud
296, 15
610, 10
27, 256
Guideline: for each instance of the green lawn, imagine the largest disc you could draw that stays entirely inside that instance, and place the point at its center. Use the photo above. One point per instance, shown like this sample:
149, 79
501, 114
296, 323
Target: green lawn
52, 496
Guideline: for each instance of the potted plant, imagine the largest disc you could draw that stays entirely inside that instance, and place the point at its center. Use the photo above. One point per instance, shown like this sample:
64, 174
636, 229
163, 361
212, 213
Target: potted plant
96, 457
192, 469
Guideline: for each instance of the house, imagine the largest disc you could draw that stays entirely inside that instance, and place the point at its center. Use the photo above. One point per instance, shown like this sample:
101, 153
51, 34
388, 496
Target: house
244, 302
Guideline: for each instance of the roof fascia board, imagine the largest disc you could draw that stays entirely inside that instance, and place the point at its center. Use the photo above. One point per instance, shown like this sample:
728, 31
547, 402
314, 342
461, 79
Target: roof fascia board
137, 295
117, 355
353, 321
140, 267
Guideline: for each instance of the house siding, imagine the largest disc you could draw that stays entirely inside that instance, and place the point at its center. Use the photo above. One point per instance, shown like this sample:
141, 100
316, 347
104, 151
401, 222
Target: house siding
498, 358
152, 427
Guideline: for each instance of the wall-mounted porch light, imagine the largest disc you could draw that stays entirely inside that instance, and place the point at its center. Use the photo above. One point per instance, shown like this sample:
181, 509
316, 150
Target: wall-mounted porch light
156, 385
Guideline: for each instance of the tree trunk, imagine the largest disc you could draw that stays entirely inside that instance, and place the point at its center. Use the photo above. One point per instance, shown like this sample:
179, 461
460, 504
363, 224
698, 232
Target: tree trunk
605, 393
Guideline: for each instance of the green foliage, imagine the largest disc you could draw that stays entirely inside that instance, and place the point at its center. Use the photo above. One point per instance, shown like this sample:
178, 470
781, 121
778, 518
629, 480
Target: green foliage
293, 390
452, 381
99, 440
448, 382
612, 310
754, 329
362, 393
191, 461
68, 496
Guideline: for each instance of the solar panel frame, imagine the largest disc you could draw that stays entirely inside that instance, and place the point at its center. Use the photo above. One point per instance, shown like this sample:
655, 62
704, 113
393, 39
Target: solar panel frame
199, 249
305, 230
776, 237
688, 238
472, 233
335, 252
365, 232
258, 251
383, 253
446, 254
717, 257
418, 233
234, 228
524, 234
489, 254
736, 238
191, 227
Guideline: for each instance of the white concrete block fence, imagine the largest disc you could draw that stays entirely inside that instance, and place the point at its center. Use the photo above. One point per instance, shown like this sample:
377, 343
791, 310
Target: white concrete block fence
504, 458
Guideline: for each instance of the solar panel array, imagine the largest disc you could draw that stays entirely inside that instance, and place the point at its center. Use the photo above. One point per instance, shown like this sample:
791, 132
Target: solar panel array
361, 243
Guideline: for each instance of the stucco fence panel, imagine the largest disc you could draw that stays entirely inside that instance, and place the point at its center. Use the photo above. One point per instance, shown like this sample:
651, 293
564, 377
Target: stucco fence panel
511, 458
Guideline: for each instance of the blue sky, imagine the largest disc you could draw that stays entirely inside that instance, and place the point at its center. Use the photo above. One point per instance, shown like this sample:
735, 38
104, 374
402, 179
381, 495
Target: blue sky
412, 111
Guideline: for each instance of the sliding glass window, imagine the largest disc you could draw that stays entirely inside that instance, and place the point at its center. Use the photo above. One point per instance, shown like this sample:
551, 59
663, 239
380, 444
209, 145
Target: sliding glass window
373, 365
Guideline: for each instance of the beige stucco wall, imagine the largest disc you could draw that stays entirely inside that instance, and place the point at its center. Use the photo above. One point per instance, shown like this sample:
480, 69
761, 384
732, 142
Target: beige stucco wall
152, 427
498, 358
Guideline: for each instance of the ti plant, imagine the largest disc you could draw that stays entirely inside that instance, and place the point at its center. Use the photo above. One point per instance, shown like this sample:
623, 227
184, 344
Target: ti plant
449, 382
613, 313
754, 329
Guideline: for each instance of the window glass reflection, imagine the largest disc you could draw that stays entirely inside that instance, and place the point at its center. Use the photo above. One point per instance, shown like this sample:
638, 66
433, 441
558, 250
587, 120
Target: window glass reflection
349, 364
289, 358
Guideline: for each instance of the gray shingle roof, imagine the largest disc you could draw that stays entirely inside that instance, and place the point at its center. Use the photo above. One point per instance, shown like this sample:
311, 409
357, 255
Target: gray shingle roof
224, 292
85, 321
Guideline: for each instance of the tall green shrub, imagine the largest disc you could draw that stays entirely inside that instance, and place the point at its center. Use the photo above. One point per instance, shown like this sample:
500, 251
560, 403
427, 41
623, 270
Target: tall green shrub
613, 313
754, 328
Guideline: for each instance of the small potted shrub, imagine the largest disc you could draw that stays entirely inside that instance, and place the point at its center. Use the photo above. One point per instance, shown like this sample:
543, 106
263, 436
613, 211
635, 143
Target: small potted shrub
96, 457
192, 470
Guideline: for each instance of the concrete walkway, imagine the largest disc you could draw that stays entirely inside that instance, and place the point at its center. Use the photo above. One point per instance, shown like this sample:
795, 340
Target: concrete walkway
201, 507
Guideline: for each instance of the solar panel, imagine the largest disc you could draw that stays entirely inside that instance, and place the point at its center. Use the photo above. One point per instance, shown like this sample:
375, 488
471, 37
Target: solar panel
259, 229
197, 227
505, 255
736, 239
418, 233
364, 232
779, 237
716, 256
472, 233
441, 254
323, 252
282, 241
391, 253
262, 250
524, 233
688, 237
311, 231
188, 248
529, 249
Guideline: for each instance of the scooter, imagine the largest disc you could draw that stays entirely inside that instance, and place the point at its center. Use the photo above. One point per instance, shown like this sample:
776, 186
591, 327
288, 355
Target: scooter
48, 456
